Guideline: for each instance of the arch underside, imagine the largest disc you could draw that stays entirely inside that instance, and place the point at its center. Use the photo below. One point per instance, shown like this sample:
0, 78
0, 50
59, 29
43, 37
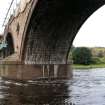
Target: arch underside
9, 49
52, 28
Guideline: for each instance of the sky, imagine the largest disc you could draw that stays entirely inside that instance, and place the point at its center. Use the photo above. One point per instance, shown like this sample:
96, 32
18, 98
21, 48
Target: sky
91, 34
4, 6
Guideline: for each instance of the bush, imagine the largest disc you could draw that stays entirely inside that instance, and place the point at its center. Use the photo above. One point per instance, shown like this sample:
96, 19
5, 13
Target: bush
96, 60
82, 55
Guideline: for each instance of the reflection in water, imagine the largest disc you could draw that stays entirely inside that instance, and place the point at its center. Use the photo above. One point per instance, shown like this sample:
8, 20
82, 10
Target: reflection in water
35, 85
51, 85
35, 94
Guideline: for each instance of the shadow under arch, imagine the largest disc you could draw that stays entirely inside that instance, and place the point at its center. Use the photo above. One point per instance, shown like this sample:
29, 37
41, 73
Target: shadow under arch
52, 28
10, 45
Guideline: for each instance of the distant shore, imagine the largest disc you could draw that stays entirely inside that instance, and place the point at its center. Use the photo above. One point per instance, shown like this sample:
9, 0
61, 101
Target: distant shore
78, 66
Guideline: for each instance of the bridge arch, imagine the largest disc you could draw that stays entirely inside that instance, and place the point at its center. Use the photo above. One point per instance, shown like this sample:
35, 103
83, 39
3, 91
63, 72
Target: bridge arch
52, 27
10, 44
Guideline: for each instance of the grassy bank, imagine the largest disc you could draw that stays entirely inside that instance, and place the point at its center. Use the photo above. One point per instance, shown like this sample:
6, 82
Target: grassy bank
77, 66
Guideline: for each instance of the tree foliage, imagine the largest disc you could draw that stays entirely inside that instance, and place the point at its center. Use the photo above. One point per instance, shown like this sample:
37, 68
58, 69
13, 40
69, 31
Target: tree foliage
82, 55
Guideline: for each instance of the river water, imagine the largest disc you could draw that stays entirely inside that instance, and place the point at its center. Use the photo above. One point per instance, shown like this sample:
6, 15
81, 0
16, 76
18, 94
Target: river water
54, 85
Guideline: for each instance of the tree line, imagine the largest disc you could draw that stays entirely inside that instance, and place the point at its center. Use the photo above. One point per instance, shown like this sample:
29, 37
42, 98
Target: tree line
86, 56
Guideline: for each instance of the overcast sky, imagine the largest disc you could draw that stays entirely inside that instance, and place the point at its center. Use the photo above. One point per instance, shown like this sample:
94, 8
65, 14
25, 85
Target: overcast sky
91, 34
4, 5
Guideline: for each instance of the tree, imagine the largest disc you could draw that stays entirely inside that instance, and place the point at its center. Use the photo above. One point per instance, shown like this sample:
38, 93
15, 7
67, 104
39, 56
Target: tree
82, 55
100, 54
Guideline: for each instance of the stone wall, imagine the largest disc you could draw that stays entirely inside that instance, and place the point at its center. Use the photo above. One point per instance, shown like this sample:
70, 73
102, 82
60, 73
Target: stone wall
16, 24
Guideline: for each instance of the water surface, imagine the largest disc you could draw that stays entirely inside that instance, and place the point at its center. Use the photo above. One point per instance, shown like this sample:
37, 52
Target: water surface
38, 85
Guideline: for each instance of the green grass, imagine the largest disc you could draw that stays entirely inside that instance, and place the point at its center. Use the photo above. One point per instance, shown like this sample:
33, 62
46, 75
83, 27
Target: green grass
78, 66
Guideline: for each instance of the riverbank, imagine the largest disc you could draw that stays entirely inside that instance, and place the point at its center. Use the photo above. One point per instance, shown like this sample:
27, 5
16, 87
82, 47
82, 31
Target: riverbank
78, 66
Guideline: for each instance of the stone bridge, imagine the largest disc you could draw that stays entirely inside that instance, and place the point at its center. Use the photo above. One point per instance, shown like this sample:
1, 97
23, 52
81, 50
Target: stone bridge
42, 31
